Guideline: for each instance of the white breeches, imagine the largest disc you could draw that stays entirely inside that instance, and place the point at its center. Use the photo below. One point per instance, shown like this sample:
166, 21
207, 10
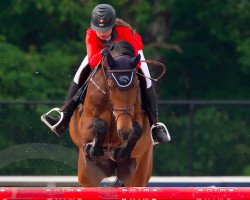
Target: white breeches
79, 71
144, 68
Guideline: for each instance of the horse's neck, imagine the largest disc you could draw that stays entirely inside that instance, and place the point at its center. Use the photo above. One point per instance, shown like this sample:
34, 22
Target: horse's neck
100, 78
97, 88
138, 104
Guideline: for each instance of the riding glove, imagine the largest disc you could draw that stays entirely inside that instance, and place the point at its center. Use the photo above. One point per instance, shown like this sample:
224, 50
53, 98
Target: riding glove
104, 52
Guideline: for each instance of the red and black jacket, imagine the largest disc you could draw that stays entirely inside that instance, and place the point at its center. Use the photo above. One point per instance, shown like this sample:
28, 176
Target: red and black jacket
95, 45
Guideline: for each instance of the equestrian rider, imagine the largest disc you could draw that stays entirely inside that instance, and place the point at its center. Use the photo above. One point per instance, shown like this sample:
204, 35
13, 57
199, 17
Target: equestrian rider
106, 29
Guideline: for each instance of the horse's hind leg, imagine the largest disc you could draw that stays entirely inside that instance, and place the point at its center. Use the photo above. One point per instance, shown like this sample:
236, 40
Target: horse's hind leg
94, 149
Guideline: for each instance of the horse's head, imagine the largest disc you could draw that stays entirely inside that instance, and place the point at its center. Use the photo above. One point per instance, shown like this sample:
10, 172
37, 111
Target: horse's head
123, 87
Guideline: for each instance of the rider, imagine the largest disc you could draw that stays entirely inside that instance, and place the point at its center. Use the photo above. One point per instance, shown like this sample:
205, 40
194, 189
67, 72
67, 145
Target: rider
106, 29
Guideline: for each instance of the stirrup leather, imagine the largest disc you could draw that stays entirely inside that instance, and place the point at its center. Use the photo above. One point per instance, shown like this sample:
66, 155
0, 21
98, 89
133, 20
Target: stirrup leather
53, 127
161, 125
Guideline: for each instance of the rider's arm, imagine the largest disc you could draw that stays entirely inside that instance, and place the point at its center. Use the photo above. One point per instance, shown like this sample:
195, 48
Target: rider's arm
94, 47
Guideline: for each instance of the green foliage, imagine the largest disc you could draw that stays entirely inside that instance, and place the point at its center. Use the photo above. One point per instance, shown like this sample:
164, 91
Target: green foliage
169, 162
220, 143
32, 75
244, 49
213, 36
46, 167
212, 154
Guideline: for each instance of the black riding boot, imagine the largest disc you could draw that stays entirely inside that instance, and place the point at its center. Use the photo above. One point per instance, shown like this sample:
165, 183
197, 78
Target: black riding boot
159, 131
63, 126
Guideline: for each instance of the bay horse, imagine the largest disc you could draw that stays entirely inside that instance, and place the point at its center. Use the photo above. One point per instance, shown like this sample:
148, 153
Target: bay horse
110, 128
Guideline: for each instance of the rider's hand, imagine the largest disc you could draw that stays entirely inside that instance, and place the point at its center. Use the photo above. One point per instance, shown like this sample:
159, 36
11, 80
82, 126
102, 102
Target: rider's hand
104, 52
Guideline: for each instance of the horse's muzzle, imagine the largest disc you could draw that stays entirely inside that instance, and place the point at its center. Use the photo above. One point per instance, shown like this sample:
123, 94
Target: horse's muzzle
124, 134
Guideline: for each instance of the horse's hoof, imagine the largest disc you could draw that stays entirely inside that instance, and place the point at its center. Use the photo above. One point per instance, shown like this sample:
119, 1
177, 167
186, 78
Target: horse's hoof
86, 149
118, 155
91, 151
97, 152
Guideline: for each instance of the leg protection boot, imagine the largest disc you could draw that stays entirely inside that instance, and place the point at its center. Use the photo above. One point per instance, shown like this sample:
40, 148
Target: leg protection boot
60, 124
159, 131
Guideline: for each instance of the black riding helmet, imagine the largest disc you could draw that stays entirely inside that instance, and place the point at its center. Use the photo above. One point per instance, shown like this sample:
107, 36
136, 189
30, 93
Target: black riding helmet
103, 18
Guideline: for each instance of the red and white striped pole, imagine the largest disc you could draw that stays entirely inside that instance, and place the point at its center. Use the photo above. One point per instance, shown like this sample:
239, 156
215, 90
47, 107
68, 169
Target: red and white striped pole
125, 193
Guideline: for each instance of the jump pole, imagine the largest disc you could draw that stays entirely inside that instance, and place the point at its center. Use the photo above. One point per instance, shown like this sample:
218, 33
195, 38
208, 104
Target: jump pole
125, 193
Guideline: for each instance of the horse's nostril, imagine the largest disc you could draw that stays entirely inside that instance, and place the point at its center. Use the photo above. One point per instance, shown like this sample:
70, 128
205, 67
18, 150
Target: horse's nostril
124, 134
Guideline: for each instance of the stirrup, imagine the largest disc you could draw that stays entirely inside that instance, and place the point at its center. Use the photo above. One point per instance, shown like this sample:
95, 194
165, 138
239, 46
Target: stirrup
159, 124
53, 127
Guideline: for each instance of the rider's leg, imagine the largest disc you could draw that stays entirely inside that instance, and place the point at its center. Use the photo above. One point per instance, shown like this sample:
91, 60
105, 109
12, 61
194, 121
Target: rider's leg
62, 127
159, 131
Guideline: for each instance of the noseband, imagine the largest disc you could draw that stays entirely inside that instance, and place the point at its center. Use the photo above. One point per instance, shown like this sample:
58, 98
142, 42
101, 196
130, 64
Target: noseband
128, 110
123, 111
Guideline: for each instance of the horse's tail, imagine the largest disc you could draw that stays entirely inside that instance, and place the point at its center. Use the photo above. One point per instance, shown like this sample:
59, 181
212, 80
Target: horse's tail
118, 183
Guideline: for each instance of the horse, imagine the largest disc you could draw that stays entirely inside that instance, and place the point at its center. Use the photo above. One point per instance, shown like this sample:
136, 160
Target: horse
110, 128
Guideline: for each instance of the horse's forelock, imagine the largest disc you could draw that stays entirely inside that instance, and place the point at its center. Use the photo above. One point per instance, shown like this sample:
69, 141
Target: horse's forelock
122, 53
122, 48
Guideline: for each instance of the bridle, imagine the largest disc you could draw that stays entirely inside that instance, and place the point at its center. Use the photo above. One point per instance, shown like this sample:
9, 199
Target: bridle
128, 109
89, 79
123, 111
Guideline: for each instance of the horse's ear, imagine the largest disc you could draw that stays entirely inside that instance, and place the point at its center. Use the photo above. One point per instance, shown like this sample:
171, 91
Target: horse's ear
111, 60
135, 60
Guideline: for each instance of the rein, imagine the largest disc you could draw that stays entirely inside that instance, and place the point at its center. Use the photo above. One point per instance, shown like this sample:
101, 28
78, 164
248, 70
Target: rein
146, 61
129, 70
126, 110
97, 86
154, 63
78, 93
76, 96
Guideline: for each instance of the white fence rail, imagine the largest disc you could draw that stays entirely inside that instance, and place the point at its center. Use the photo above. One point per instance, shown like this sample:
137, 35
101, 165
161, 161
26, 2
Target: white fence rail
72, 181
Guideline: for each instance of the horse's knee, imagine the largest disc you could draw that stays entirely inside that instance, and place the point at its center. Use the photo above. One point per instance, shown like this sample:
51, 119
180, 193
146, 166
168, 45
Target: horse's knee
100, 127
86, 178
84, 181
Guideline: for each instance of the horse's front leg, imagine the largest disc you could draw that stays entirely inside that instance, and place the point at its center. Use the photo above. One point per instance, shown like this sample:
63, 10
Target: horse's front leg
94, 149
121, 154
